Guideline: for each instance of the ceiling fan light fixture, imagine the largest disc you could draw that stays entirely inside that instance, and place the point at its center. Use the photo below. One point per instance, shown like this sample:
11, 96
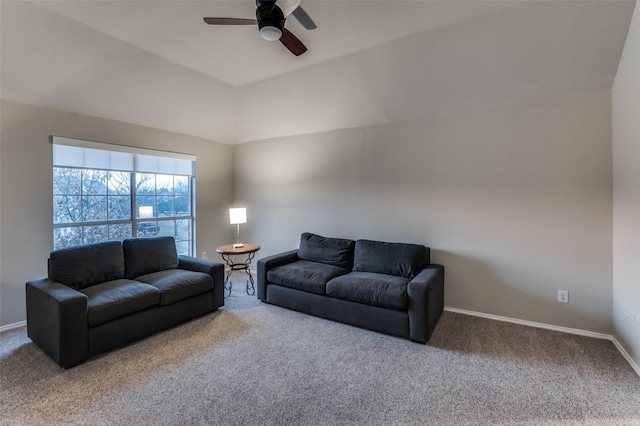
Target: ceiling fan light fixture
270, 33
270, 20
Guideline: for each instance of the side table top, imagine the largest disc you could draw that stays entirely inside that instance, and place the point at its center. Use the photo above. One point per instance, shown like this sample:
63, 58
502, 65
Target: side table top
245, 249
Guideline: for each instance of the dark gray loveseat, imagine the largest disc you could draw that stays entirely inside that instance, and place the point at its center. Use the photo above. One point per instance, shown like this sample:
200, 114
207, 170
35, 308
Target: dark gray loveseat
386, 287
102, 296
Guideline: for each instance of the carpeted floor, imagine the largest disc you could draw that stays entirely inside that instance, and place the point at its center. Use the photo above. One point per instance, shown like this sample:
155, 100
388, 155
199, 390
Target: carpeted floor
252, 363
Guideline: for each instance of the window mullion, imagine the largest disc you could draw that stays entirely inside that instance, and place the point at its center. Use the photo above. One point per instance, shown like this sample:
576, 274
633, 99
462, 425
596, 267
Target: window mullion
132, 191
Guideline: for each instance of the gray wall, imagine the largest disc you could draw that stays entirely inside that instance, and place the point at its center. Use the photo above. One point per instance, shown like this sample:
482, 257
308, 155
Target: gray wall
26, 230
515, 201
61, 63
626, 194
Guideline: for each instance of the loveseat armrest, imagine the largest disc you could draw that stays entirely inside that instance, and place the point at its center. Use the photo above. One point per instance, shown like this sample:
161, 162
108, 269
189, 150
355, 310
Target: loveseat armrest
211, 267
267, 263
426, 302
57, 321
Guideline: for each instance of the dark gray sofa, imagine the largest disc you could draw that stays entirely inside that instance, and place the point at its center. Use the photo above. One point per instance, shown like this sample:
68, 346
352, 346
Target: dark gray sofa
387, 287
98, 297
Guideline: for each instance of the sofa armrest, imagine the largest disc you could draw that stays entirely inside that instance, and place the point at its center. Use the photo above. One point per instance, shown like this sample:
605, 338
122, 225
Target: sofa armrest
57, 321
270, 262
426, 302
211, 267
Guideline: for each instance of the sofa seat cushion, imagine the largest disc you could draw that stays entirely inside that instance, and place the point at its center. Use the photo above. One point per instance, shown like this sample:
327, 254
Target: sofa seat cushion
115, 299
305, 275
387, 291
178, 284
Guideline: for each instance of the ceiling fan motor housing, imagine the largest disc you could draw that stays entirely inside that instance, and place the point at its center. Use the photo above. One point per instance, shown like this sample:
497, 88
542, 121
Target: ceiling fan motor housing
270, 20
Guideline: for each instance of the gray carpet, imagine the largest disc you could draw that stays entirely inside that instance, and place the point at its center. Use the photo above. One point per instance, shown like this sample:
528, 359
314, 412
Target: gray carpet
252, 363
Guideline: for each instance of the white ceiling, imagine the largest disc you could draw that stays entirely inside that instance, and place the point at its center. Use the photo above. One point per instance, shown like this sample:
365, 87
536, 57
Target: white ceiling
174, 30
156, 63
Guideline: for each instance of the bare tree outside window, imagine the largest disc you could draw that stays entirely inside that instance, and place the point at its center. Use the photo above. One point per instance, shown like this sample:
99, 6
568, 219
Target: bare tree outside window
92, 205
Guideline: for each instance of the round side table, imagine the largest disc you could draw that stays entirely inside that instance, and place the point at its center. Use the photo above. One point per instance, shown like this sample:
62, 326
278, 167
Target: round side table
228, 251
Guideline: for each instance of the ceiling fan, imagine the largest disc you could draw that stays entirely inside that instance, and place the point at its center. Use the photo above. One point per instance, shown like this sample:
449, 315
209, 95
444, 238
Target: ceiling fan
270, 17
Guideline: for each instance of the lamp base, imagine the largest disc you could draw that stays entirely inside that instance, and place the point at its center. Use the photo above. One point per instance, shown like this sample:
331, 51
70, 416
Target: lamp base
238, 245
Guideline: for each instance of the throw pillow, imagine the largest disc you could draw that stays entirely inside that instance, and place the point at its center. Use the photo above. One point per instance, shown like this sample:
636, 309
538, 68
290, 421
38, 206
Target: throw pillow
145, 255
83, 266
332, 251
399, 259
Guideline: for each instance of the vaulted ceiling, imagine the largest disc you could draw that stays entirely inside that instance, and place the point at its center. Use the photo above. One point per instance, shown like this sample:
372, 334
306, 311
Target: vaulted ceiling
156, 63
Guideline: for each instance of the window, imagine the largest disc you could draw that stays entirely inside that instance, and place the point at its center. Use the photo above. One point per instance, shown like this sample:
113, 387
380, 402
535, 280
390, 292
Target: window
105, 192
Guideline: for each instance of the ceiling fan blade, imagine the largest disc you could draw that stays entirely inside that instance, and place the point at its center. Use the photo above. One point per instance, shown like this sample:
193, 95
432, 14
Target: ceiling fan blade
230, 21
292, 43
304, 19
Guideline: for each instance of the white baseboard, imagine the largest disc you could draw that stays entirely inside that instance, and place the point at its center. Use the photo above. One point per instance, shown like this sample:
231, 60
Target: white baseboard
12, 326
531, 323
626, 355
568, 330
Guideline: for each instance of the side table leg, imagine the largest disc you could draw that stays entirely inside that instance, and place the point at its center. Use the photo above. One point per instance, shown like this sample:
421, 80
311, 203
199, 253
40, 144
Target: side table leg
251, 289
227, 281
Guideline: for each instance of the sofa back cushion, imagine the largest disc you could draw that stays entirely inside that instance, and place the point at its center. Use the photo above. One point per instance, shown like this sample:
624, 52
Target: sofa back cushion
399, 259
83, 266
145, 255
331, 251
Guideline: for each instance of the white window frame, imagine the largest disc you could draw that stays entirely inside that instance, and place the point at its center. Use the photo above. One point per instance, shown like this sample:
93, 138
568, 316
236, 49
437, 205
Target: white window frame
90, 155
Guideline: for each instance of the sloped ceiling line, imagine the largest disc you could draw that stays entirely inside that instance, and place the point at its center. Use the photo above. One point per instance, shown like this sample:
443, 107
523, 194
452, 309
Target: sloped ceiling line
466, 55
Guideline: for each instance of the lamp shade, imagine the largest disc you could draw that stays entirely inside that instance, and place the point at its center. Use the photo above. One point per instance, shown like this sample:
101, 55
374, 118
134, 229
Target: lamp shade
237, 216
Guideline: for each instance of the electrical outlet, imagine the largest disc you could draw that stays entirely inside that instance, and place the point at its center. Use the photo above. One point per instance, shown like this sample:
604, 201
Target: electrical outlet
204, 255
563, 296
